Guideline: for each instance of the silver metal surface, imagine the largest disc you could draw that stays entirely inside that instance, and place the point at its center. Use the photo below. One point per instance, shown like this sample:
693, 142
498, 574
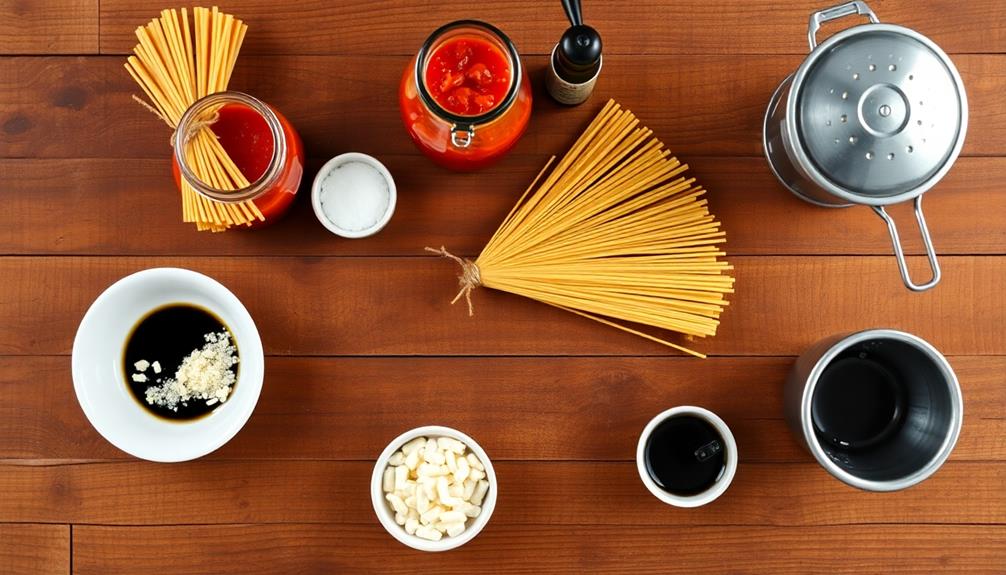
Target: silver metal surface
462, 136
875, 115
892, 228
775, 146
834, 13
927, 436
878, 112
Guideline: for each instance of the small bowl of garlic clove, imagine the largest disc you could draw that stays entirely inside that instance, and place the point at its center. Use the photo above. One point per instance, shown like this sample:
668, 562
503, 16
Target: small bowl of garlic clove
433, 488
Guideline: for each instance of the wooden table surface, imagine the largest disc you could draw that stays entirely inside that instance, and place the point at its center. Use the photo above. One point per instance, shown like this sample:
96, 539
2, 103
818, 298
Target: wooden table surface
362, 343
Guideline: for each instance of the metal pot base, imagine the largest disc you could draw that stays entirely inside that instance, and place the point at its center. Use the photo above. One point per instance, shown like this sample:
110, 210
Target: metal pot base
806, 198
766, 146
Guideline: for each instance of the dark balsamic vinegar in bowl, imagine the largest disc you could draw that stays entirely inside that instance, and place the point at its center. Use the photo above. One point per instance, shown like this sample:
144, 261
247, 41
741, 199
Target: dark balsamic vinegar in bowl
685, 455
167, 335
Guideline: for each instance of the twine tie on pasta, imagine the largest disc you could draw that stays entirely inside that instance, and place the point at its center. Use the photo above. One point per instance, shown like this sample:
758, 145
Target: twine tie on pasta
468, 279
193, 128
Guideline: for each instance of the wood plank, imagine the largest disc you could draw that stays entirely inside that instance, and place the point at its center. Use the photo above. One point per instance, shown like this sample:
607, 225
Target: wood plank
344, 306
965, 212
530, 493
309, 405
49, 27
27, 549
693, 26
699, 105
266, 549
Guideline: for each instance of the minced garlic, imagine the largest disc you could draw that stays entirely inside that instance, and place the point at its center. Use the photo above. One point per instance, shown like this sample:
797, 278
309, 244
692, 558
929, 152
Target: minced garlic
205, 374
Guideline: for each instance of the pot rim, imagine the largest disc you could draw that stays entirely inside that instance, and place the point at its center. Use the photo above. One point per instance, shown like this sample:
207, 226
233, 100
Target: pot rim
956, 408
799, 153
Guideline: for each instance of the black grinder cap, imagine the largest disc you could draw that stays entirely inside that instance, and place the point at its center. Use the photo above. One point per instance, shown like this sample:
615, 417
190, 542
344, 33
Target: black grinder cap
579, 50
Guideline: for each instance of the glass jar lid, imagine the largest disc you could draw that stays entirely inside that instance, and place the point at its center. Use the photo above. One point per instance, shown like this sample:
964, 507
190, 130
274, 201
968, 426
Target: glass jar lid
880, 111
463, 28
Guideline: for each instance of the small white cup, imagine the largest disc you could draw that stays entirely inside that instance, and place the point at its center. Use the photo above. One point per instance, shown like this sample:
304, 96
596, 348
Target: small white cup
729, 464
387, 516
334, 163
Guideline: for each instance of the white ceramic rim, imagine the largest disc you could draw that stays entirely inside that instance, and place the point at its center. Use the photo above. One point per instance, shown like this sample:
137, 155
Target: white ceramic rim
250, 381
799, 153
387, 517
316, 195
956, 407
721, 484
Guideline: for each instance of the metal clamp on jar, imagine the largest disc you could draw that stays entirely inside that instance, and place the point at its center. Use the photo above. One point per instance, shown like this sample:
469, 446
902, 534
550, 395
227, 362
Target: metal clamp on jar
470, 140
875, 115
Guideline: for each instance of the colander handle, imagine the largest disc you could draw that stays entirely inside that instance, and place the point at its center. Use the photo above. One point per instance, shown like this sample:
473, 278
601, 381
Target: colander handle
926, 239
834, 13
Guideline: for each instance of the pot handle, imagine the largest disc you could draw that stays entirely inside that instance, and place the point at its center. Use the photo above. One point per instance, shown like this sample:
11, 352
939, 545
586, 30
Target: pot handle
926, 239
834, 13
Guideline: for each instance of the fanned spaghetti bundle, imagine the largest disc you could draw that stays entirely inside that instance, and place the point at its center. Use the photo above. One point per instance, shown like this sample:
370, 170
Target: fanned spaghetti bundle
615, 233
176, 64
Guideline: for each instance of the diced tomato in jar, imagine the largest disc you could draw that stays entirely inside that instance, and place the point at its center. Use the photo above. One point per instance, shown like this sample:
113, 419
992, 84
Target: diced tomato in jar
468, 76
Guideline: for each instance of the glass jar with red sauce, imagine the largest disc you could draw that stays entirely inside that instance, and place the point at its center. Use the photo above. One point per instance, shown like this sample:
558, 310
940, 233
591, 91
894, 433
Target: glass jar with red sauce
465, 98
260, 140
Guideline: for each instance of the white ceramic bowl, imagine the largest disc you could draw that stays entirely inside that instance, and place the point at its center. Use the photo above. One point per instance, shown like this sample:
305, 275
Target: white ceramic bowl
100, 383
730, 463
334, 163
387, 516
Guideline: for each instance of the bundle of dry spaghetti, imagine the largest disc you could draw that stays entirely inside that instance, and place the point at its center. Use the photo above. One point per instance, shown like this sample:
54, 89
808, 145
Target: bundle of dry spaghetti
176, 64
614, 233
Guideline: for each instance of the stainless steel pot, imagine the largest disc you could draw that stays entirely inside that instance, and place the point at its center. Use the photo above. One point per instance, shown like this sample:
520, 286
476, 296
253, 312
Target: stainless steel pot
875, 115
895, 444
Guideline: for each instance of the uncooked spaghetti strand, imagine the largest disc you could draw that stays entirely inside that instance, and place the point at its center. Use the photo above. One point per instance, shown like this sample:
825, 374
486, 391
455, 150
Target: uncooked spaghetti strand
520, 215
658, 315
710, 295
557, 216
505, 227
566, 186
633, 331
642, 169
620, 247
660, 198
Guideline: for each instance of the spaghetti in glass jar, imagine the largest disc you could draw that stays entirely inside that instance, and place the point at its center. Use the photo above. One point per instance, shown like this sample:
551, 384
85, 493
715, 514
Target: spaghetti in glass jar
264, 147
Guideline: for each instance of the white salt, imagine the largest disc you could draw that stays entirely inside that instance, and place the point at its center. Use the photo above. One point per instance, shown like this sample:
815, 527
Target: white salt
354, 196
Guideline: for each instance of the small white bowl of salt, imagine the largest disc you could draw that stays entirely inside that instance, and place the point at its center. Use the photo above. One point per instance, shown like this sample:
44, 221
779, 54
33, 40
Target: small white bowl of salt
353, 195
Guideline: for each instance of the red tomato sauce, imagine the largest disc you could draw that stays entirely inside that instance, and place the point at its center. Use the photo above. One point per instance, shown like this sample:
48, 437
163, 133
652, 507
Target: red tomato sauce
468, 76
246, 136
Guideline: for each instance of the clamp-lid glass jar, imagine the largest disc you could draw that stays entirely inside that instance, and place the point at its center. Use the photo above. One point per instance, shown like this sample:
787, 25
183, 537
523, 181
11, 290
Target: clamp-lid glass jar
258, 138
465, 98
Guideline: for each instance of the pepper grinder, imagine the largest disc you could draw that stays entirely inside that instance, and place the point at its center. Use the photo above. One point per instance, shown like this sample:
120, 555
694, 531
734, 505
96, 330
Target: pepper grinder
576, 59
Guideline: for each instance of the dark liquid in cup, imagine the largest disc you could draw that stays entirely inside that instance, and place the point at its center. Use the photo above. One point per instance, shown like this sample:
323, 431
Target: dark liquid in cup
857, 403
685, 455
167, 335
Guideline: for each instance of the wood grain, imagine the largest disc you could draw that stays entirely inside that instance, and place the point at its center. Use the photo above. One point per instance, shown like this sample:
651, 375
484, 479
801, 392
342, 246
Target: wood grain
589, 409
390, 27
530, 493
262, 549
698, 105
27, 549
347, 408
361, 298
353, 327
49, 27
965, 212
